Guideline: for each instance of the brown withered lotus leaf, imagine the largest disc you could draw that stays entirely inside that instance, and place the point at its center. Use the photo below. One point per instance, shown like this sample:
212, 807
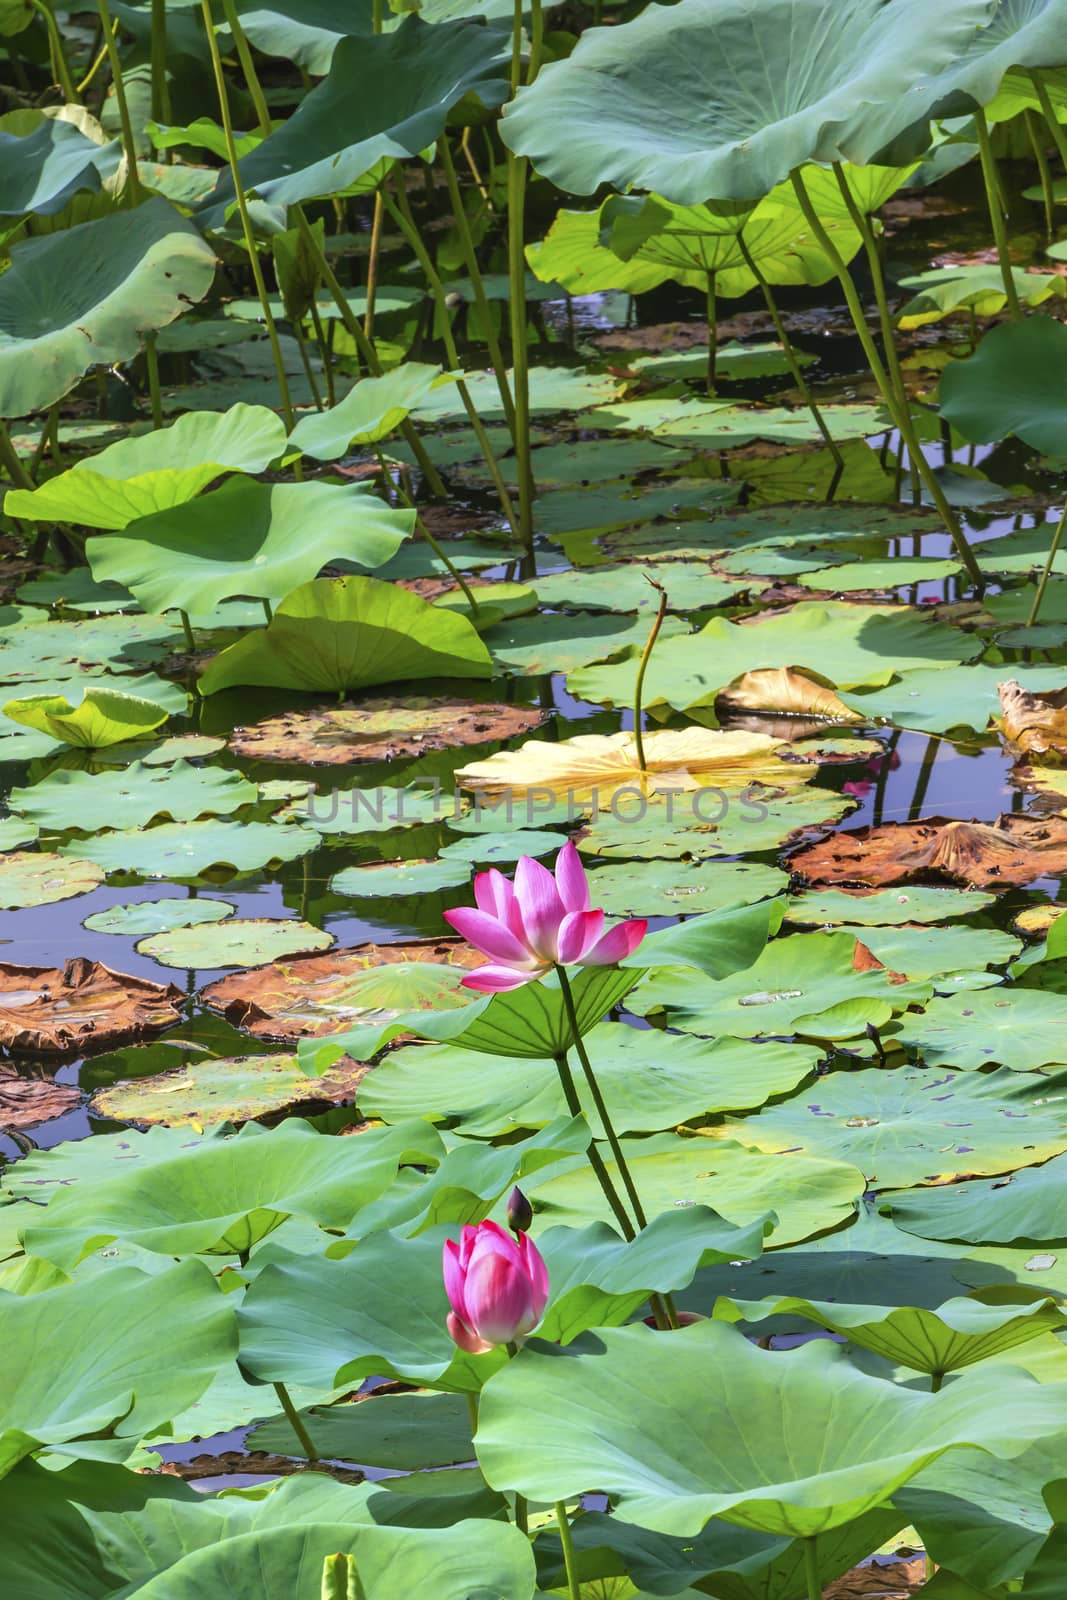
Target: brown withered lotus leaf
241, 1089
786, 692
24, 1102
381, 730
1035, 725
81, 1005
1013, 851
314, 996
254, 1463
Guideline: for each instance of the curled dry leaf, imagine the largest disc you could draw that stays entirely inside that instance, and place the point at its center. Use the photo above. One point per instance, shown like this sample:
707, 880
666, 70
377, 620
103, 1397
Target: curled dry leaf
313, 996
83, 1004
24, 1102
253, 1463
381, 730
1015, 850
602, 764
786, 692
1034, 724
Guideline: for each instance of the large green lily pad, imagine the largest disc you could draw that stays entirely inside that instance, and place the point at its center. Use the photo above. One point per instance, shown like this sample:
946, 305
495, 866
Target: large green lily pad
948, 291
45, 167
1026, 1206
686, 887
131, 797
885, 907
235, 1090
185, 849
238, 942
1014, 383
724, 824
349, 633
1020, 1028
938, 699
88, 294
370, 411
563, 641
396, 880
40, 878
33, 651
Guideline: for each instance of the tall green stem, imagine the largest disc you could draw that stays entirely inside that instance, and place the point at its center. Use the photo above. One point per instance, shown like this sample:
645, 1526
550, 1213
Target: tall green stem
901, 416
570, 1561
596, 1161
996, 211
11, 461
1048, 111
248, 66
1044, 171
242, 208
811, 1570
296, 1422
151, 356
790, 354
711, 317
639, 682
424, 532
1043, 582
400, 211
470, 257
134, 192
59, 59
161, 108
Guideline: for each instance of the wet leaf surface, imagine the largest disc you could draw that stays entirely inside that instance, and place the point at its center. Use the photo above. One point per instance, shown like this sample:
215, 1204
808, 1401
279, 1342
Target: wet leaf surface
81, 1005
380, 730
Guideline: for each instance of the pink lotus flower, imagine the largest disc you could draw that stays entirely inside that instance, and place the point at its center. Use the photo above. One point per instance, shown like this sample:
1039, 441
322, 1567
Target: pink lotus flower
497, 1287
541, 920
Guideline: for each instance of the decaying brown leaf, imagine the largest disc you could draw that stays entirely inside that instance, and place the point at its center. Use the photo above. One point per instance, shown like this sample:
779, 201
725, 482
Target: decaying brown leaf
313, 996
81, 1005
254, 1463
1035, 725
786, 692
1015, 850
380, 730
896, 1580
24, 1102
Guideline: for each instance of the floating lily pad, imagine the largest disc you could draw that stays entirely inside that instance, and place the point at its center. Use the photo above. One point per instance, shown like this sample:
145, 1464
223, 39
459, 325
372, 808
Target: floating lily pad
551, 389
381, 730
58, 1009
937, 953
689, 585
130, 797
885, 907
598, 510
100, 718
664, 889
1017, 850
33, 651
1022, 1207
14, 832
363, 811
237, 942
898, 572
398, 879
1020, 1028
143, 917
185, 849
562, 641
502, 847
38, 878
241, 1089
758, 818
947, 697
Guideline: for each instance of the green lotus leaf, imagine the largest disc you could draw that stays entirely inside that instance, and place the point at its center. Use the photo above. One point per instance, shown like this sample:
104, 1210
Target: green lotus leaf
1014, 383
885, 907
583, 461
566, 641
40, 878
247, 538
1025, 1207
71, 300
100, 718
1020, 1028
43, 169
956, 1335
803, 1443
397, 879
600, 509
719, 823
165, 1335
946, 291
937, 953
359, 811
143, 917
34, 651
403, 1432
571, 254
914, 1125
132, 796
225, 1195
240, 942
940, 698
349, 633
15, 832
150, 472
841, 643
386, 97
184, 850
718, 424
665, 889
1024, 550
234, 1090
650, 1081
552, 389
370, 411
819, 81
1018, 33
690, 586
798, 977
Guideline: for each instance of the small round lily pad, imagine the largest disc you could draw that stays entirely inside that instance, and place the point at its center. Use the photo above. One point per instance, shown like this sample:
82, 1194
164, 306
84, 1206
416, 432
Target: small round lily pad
238, 942
397, 878
38, 878
140, 918
507, 847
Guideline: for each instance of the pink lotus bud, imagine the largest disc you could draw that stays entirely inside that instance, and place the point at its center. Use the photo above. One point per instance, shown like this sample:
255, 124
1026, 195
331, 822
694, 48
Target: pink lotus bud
497, 1287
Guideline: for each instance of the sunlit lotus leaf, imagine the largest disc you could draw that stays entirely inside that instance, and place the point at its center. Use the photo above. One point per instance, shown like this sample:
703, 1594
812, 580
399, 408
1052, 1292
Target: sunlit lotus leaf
960, 290
387, 96
349, 633
1025, 1206
1025, 550
914, 1125
14, 832
1015, 850
1022, 1028
792, 982
396, 880
247, 538
716, 425
895, 573
39, 878
238, 942
363, 811
690, 586
1035, 724
602, 764
235, 1090
501, 847
715, 821
380, 729
650, 1081
100, 718
165, 1335
130, 797
939, 699
840, 642
105, 284
666, 889
370, 410
761, 526
937, 952
143, 917
150, 472
571, 254
1014, 383
82, 1003
185, 849
552, 389
782, 690
563, 641
224, 1195
33, 651
45, 168
600, 116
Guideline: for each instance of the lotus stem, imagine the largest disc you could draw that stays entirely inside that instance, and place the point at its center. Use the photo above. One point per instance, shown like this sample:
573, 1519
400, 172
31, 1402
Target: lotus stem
639, 681
470, 256
1048, 111
151, 356
242, 208
353, 326
472, 167
790, 354
570, 1563
97, 62
712, 320
161, 106
996, 211
472, 1409
522, 1514
400, 211
424, 532
1048, 194
372, 261
134, 192
324, 352
603, 1177
248, 67
305, 362
11, 461
1047, 572
296, 1422
901, 416
187, 629
811, 1570
56, 54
